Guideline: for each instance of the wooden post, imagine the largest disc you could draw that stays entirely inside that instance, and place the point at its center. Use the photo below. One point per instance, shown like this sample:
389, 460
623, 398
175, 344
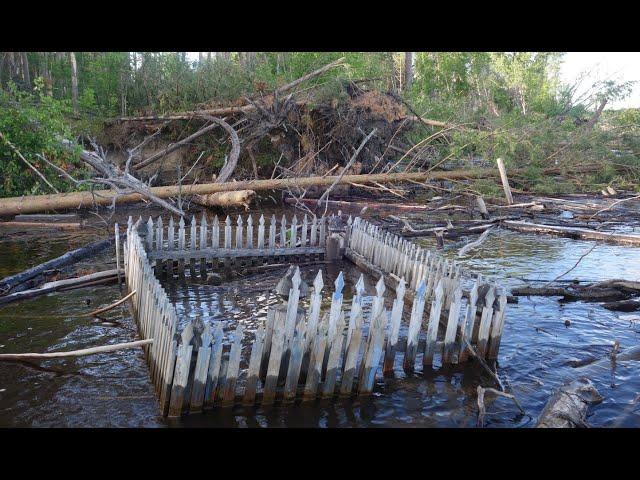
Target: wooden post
482, 207
117, 233
505, 180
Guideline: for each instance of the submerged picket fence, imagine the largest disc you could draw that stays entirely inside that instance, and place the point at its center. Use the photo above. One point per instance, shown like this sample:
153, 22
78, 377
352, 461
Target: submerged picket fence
398, 261
305, 355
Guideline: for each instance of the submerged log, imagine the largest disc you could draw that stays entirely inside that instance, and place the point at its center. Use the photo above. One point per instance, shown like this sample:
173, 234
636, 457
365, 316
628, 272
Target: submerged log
86, 280
572, 232
600, 291
623, 306
7, 283
567, 408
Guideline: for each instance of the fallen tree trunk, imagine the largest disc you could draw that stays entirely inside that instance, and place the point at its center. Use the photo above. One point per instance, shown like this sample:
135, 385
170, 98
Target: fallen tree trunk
567, 408
7, 283
41, 203
74, 353
572, 232
356, 205
239, 198
61, 284
609, 290
49, 225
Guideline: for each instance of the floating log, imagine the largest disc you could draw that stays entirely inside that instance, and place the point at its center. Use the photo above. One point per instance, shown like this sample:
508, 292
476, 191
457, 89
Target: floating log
567, 408
573, 232
9, 282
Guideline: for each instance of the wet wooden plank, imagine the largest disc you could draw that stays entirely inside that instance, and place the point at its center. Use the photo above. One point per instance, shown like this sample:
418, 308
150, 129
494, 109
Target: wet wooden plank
415, 323
351, 357
253, 371
296, 346
335, 352
450, 354
434, 323
497, 326
316, 360
200, 374
181, 374
485, 323
275, 357
233, 369
394, 329
213, 372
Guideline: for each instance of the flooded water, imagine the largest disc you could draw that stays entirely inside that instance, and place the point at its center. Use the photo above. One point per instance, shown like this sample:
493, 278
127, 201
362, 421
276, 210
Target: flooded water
537, 355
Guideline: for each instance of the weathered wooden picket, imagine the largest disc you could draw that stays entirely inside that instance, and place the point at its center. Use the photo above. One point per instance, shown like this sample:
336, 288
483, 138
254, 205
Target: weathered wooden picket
306, 355
395, 259
221, 244
154, 313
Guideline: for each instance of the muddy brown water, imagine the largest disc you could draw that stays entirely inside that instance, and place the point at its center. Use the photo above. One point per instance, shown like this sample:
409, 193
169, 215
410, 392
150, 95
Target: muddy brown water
538, 352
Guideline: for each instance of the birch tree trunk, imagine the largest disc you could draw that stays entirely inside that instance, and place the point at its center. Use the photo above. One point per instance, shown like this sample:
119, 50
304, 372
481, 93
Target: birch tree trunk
74, 82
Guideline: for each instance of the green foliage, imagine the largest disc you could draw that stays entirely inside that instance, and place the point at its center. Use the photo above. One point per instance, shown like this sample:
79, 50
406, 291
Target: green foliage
513, 102
33, 123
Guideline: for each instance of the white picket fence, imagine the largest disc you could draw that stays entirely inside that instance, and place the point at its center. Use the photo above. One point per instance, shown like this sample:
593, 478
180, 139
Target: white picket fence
298, 354
155, 314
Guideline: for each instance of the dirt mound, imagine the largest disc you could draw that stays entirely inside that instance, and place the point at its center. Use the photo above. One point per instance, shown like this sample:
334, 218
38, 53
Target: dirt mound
380, 105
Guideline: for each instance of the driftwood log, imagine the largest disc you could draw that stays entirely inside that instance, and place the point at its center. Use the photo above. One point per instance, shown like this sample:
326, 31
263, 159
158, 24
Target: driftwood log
567, 408
74, 353
7, 283
239, 198
572, 232
42, 203
608, 290
86, 280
